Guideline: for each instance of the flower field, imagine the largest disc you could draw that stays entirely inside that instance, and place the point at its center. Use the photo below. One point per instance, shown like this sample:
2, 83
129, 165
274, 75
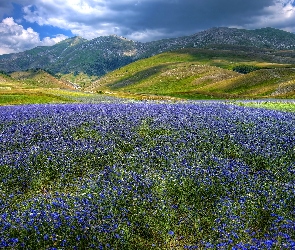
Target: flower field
204, 175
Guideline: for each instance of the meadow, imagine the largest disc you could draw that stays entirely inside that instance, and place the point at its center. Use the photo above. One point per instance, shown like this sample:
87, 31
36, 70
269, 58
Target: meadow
146, 175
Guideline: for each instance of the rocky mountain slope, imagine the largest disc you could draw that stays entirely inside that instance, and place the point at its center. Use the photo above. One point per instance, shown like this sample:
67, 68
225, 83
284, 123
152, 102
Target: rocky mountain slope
104, 54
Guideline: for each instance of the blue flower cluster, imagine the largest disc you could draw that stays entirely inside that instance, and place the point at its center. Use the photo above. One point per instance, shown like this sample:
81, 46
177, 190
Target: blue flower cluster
145, 175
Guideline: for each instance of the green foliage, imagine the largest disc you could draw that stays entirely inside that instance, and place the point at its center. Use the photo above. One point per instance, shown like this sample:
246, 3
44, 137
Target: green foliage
264, 83
245, 69
2, 72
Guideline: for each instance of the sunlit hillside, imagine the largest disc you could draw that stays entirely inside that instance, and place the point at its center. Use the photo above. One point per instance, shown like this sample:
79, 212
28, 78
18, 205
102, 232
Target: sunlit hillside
201, 73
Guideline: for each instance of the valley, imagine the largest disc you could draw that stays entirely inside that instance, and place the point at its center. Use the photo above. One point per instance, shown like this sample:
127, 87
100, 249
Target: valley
219, 63
191, 73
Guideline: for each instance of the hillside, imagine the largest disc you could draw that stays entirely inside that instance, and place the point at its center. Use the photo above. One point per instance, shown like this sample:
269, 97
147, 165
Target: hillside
104, 54
33, 86
201, 73
274, 83
40, 78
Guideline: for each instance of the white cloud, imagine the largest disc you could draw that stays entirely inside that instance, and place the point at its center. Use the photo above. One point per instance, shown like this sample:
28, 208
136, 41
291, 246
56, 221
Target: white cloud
88, 19
93, 18
145, 35
47, 41
281, 14
15, 38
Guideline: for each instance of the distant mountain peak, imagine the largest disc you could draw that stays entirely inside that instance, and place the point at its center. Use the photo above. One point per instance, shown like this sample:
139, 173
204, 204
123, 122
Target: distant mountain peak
73, 40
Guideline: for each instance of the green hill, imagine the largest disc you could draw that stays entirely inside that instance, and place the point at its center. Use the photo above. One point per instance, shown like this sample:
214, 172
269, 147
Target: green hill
32, 86
202, 73
40, 79
274, 83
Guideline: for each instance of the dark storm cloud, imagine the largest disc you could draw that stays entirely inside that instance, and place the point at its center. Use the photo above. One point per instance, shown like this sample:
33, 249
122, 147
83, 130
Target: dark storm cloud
187, 15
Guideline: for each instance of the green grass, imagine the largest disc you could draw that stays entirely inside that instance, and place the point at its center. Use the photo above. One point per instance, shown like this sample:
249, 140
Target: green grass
29, 98
42, 95
275, 105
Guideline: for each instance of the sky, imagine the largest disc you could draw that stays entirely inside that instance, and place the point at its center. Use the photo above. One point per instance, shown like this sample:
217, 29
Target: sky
25, 24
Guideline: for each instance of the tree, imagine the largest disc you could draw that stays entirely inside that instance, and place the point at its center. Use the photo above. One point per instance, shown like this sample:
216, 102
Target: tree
245, 69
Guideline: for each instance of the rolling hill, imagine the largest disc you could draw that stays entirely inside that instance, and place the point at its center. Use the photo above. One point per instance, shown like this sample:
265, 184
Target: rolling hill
201, 73
33, 86
39, 78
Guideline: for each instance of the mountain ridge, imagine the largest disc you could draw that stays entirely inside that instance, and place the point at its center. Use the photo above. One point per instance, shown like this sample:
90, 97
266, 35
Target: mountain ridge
107, 53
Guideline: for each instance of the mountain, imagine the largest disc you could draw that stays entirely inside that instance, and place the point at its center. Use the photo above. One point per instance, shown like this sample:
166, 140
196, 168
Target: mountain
39, 57
104, 54
74, 55
265, 38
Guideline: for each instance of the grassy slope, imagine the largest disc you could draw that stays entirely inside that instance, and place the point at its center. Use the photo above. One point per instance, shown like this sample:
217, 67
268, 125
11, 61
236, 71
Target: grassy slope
39, 78
35, 87
279, 82
83, 80
197, 73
